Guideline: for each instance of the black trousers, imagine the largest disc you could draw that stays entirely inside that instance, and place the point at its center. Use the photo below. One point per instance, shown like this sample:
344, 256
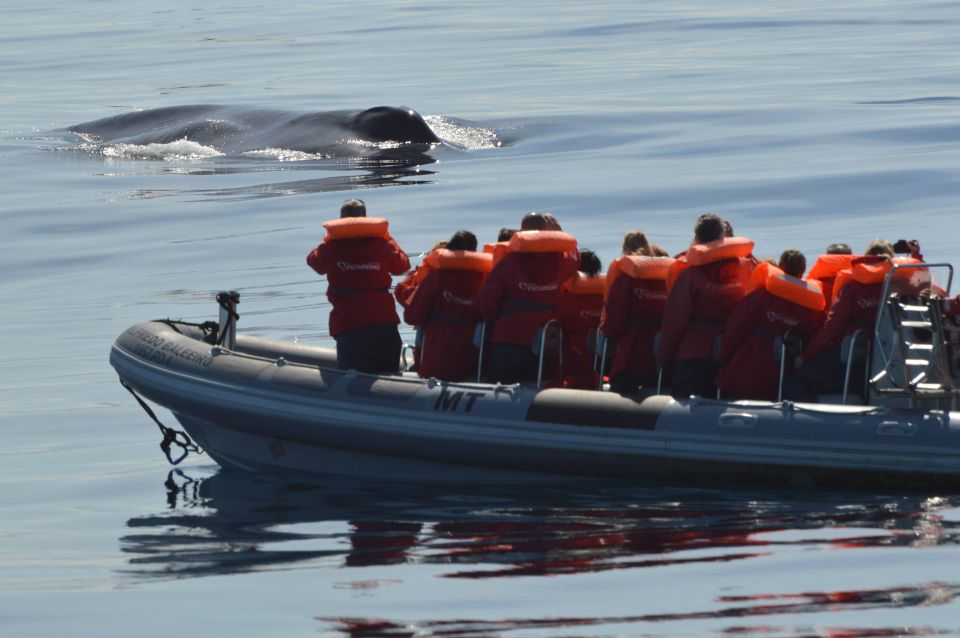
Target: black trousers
507, 363
694, 376
374, 349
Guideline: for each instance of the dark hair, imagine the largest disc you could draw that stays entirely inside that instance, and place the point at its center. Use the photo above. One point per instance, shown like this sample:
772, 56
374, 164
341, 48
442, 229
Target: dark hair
880, 248
636, 243
839, 249
589, 262
727, 229
552, 223
462, 240
505, 234
533, 221
353, 208
709, 227
793, 262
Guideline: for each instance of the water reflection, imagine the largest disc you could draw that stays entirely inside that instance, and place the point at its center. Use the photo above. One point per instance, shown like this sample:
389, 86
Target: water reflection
232, 522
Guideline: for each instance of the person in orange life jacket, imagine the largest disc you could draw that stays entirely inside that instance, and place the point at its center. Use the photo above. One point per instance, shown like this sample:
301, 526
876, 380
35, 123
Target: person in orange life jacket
521, 294
837, 257
443, 305
358, 256
408, 285
499, 249
702, 298
819, 369
579, 308
774, 305
633, 312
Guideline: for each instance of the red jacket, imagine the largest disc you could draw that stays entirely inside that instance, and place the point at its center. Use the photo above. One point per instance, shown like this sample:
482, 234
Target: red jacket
698, 306
579, 316
854, 309
522, 292
749, 369
443, 304
358, 280
632, 318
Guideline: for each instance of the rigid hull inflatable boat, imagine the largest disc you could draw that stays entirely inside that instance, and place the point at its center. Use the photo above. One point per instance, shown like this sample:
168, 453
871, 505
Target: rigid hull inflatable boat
267, 405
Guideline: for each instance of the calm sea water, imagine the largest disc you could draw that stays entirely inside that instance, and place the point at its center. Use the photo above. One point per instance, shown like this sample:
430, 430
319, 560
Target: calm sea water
802, 123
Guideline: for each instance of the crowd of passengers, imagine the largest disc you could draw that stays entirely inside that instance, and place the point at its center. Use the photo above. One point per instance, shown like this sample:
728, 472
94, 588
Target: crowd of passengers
707, 318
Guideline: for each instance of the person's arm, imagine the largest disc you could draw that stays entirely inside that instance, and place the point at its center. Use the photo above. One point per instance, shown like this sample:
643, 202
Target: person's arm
676, 317
617, 308
317, 259
396, 261
490, 294
421, 304
739, 326
832, 328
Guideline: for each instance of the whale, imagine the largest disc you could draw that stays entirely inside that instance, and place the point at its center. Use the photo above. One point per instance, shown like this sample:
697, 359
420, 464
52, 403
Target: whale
236, 130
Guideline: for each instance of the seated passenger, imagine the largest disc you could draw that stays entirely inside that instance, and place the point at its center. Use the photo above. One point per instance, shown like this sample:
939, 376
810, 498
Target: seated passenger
581, 301
856, 300
777, 301
706, 291
520, 295
633, 312
499, 249
443, 305
406, 286
838, 257
358, 256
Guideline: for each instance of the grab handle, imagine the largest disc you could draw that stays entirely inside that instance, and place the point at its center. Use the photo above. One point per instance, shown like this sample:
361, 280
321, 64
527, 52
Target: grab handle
740, 420
896, 428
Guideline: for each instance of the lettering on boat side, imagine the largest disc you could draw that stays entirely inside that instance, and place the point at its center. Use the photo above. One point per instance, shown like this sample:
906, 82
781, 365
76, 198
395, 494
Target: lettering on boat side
449, 401
159, 350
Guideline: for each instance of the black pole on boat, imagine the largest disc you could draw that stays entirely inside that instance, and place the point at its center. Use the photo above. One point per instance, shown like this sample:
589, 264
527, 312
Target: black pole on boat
228, 300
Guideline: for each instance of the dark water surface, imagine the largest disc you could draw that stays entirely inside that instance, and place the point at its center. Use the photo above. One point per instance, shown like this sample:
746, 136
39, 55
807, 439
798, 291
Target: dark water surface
802, 124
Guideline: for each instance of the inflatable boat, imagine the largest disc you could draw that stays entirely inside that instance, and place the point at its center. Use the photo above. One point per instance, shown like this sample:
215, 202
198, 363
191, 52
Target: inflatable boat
278, 406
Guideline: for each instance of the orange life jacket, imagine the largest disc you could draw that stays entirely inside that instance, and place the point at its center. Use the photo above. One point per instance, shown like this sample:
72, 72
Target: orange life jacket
872, 272
807, 293
352, 227
828, 266
541, 241
724, 248
443, 259
638, 267
583, 284
703, 254
498, 250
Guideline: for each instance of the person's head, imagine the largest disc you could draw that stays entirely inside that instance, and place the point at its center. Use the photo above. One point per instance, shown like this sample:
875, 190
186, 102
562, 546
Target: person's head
880, 248
793, 263
709, 227
439, 245
533, 221
551, 222
727, 229
505, 234
462, 240
839, 249
353, 208
636, 243
590, 263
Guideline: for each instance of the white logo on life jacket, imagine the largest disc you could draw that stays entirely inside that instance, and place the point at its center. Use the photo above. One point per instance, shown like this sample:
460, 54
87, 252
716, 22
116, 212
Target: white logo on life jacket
868, 303
649, 294
537, 287
778, 318
590, 314
452, 298
347, 266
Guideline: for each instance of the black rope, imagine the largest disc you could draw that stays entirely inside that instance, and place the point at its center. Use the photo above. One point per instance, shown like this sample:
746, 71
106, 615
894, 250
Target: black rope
170, 435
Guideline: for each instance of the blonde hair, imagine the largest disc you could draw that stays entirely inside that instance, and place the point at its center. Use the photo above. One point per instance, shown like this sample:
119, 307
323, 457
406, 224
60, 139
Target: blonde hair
880, 248
636, 243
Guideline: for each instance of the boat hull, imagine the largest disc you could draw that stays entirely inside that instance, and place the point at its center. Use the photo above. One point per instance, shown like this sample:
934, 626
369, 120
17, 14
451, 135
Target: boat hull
271, 406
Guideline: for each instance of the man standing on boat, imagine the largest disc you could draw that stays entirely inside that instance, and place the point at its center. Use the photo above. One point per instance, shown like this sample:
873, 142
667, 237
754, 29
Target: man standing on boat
358, 256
